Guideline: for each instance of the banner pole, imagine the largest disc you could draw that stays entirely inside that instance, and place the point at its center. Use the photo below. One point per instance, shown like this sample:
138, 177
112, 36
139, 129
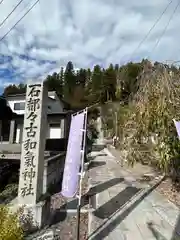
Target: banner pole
81, 176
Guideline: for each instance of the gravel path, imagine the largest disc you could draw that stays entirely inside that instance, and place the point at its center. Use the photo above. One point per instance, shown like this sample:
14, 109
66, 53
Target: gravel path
64, 223
148, 174
126, 206
67, 229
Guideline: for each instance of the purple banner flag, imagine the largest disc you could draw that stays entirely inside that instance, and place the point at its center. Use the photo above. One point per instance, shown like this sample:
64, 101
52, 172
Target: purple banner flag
73, 156
177, 125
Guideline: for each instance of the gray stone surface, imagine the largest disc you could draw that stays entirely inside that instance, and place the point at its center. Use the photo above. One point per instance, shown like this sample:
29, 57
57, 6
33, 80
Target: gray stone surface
33, 145
10, 148
32, 154
120, 213
53, 170
100, 139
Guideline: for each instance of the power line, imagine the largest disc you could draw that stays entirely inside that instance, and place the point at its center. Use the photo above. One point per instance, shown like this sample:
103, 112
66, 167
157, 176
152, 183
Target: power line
150, 30
19, 14
1, 1
11, 13
42, 16
5, 35
166, 27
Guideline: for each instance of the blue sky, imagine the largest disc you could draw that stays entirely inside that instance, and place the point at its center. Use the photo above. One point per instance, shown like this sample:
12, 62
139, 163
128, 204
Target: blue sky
87, 32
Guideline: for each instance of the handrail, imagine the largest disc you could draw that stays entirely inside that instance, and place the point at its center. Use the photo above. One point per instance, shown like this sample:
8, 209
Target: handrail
52, 158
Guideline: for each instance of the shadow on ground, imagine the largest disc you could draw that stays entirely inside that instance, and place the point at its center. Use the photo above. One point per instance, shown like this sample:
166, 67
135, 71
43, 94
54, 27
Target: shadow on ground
103, 186
98, 148
60, 214
116, 202
155, 232
110, 224
95, 164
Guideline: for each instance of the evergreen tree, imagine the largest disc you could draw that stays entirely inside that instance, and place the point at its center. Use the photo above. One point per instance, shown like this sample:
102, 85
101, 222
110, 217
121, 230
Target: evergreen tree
130, 79
110, 83
81, 77
88, 77
69, 81
61, 81
97, 83
87, 86
53, 83
88, 83
14, 89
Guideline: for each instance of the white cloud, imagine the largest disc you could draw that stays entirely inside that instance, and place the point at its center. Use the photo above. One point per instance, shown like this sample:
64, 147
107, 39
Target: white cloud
87, 32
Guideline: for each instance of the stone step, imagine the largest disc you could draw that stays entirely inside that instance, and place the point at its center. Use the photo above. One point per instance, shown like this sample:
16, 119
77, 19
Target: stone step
98, 147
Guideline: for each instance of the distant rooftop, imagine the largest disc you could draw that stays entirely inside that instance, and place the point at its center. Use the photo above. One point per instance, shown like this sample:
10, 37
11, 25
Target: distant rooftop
50, 93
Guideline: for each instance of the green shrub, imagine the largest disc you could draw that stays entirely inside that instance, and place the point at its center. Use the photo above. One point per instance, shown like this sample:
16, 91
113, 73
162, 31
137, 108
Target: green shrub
9, 192
10, 228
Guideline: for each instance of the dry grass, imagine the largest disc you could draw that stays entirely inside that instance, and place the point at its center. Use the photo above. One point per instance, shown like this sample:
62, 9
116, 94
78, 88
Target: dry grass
147, 130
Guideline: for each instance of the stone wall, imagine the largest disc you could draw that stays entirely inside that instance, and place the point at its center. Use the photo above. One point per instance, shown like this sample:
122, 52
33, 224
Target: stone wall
53, 170
10, 148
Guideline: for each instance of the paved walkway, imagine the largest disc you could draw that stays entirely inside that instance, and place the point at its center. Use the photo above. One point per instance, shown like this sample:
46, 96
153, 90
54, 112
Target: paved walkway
125, 209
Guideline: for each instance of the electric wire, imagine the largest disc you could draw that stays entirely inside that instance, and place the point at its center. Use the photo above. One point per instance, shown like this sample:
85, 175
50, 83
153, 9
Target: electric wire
5, 35
6, 18
15, 18
166, 27
150, 30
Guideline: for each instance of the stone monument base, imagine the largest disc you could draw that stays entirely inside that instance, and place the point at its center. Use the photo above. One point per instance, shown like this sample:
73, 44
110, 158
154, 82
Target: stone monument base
51, 234
35, 216
38, 214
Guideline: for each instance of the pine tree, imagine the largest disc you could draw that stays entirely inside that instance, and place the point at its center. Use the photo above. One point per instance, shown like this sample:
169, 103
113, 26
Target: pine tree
110, 83
53, 83
69, 81
14, 89
97, 83
81, 77
61, 82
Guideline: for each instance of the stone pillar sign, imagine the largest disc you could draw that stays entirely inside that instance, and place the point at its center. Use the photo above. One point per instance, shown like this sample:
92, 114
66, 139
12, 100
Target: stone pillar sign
33, 145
